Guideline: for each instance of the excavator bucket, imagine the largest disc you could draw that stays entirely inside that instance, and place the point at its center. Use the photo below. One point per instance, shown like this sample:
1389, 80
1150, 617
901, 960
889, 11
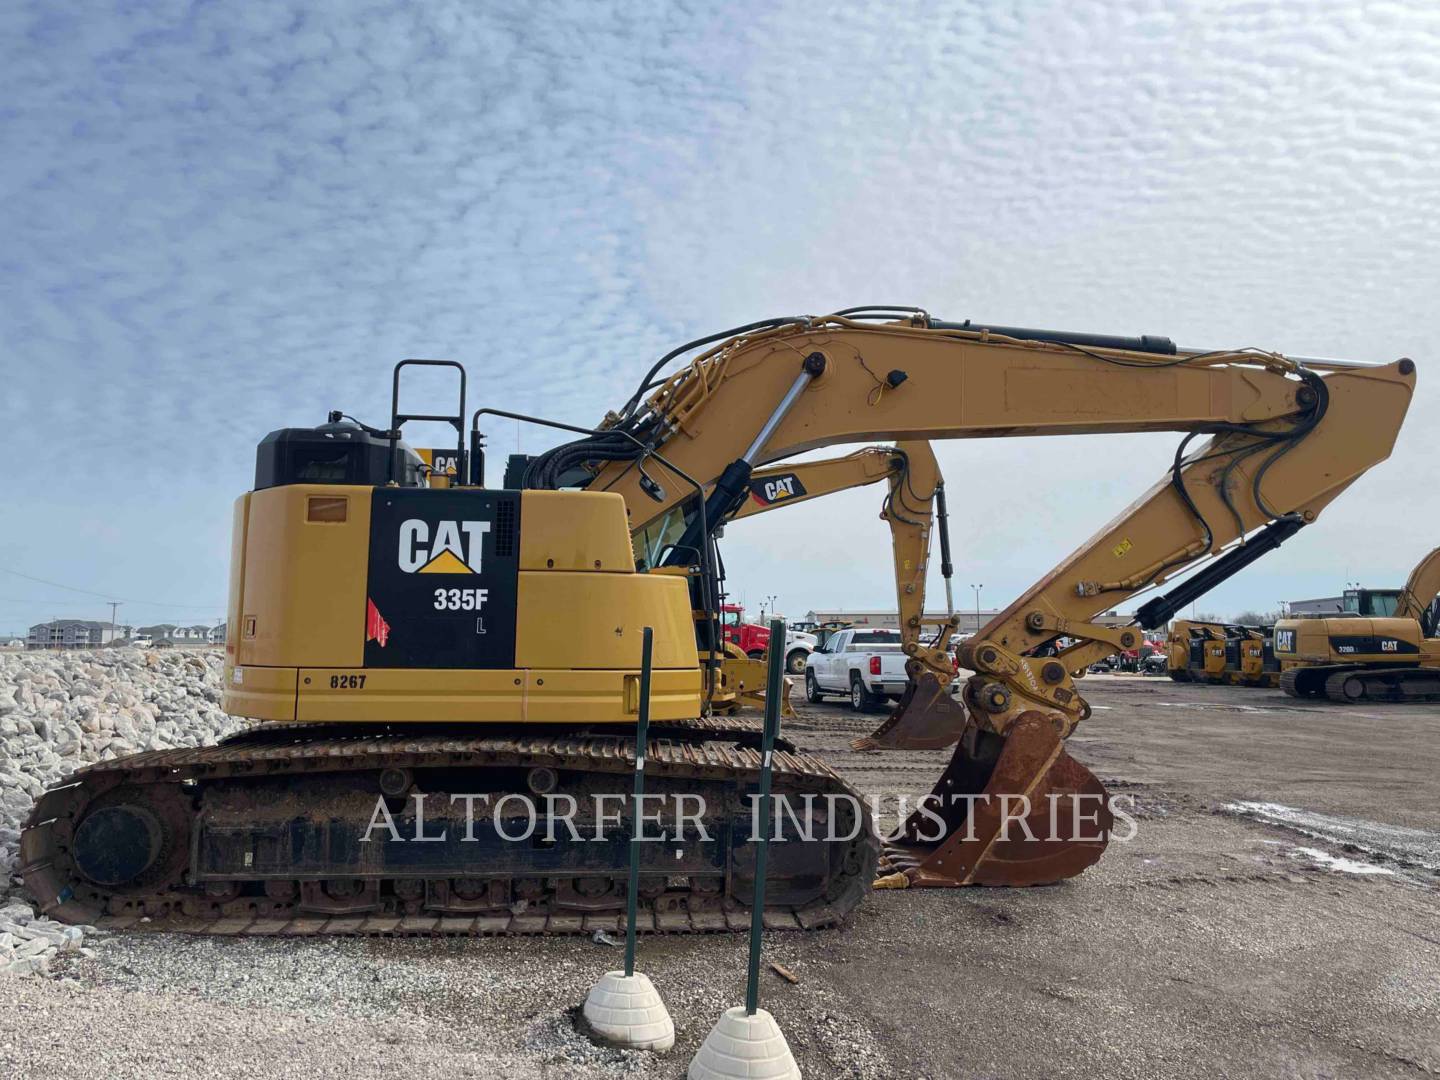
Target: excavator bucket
1008, 810
928, 717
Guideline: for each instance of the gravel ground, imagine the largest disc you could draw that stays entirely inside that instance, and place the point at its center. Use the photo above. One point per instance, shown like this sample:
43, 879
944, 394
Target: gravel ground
1223, 940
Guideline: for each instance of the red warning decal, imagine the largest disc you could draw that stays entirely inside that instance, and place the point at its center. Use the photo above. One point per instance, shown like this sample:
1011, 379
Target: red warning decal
376, 628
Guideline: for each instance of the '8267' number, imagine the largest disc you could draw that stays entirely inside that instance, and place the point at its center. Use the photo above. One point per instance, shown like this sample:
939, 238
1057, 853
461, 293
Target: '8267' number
460, 599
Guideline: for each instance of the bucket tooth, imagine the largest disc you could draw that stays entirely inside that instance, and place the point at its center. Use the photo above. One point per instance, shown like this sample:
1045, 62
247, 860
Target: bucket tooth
927, 717
1017, 810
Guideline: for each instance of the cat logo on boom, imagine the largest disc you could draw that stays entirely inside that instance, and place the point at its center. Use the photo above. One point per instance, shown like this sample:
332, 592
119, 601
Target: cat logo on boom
455, 548
777, 489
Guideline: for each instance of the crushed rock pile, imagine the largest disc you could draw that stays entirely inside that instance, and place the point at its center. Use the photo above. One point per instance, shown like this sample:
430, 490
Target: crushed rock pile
60, 711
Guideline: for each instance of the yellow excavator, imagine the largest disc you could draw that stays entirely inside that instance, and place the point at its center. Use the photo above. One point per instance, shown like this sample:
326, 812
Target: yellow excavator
909, 511
914, 505
1361, 658
414, 644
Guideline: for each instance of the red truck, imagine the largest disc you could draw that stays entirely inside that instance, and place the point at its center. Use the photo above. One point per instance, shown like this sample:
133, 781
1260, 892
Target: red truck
754, 639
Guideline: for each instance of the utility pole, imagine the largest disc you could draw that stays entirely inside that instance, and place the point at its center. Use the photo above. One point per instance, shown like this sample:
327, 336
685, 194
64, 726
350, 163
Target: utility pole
113, 607
977, 589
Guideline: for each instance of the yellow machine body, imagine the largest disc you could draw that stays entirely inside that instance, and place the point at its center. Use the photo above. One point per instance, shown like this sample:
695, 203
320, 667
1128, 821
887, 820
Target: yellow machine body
302, 567
1303, 642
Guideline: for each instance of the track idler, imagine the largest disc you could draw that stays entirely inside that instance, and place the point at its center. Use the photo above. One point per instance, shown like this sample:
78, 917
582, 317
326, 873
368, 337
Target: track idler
1008, 810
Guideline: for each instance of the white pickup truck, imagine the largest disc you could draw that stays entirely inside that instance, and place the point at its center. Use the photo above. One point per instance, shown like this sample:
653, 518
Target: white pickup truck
865, 664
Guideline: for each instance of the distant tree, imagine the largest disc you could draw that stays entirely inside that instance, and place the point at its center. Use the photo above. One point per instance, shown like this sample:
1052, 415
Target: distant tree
1257, 618
1206, 616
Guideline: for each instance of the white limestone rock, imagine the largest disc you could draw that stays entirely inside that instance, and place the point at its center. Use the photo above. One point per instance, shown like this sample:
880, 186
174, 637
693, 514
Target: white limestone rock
60, 711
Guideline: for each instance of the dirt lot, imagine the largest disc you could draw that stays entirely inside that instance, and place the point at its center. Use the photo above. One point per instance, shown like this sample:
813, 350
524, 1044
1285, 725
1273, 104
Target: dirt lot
1278, 914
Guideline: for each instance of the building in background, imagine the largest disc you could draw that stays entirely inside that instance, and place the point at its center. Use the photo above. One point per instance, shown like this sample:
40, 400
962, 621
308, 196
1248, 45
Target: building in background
1323, 605
170, 634
74, 634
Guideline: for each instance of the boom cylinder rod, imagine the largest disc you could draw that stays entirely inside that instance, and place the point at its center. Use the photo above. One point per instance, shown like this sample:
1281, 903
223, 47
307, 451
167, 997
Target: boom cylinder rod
947, 569
734, 482
797, 388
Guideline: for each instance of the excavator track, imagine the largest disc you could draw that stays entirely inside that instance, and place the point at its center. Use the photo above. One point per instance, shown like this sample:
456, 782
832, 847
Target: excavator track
259, 834
1357, 685
1303, 682
1351, 684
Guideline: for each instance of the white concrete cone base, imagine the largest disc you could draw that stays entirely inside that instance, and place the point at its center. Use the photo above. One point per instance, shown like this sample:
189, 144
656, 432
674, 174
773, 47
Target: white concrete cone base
628, 1012
744, 1046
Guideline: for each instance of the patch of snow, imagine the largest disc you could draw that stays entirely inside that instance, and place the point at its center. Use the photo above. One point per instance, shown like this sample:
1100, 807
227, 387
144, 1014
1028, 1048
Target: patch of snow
1415, 847
1342, 865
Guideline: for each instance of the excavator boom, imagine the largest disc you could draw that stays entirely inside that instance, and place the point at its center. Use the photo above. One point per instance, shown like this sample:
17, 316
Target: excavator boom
1268, 443
1418, 597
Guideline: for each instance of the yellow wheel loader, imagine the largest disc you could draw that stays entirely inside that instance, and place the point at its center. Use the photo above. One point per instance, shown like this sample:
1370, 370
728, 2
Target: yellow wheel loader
433, 664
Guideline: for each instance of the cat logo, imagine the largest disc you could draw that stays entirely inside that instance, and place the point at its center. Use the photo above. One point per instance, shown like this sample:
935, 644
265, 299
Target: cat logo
777, 489
442, 462
455, 550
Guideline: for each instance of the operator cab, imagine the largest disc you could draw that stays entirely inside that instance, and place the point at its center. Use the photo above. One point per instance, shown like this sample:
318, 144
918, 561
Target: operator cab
1370, 603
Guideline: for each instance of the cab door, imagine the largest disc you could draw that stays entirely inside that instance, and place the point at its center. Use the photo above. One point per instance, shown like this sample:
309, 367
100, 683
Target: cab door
838, 644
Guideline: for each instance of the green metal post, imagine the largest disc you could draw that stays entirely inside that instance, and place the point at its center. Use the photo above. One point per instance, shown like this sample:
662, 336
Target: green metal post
642, 727
774, 695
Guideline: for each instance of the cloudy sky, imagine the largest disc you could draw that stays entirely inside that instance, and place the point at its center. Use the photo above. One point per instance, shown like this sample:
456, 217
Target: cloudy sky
217, 220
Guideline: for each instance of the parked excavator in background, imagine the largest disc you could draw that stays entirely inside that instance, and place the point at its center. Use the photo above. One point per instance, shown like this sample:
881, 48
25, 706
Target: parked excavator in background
1363, 656
406, 637
910, 515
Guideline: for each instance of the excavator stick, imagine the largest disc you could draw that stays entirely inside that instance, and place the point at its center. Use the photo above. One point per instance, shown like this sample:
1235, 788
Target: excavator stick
1008, 810
927, 717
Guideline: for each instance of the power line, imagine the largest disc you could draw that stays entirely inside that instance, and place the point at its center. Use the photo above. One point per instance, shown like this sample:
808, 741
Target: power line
91, 592
48, 602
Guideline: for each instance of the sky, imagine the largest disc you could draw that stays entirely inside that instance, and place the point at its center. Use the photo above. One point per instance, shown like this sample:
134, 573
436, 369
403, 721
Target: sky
221, 219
